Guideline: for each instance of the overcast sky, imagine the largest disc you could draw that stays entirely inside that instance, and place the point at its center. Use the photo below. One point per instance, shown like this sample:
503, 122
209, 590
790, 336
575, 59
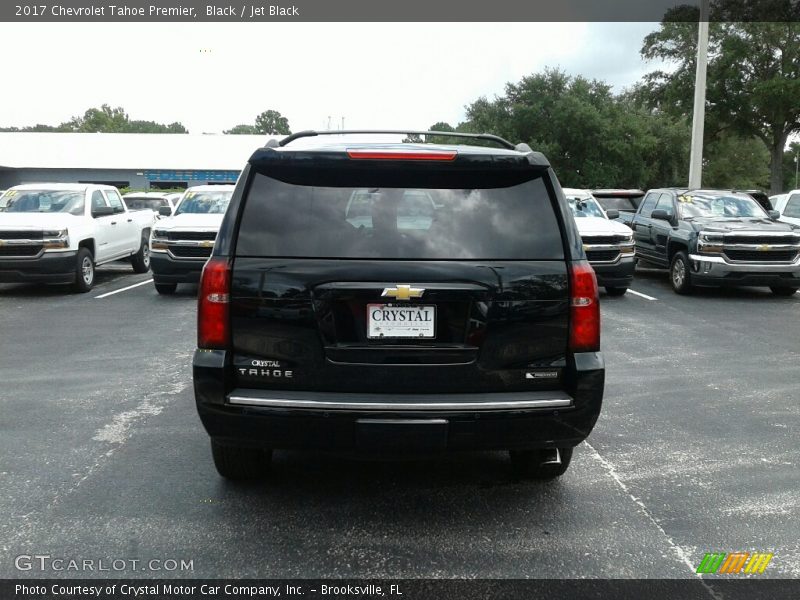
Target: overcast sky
212, 76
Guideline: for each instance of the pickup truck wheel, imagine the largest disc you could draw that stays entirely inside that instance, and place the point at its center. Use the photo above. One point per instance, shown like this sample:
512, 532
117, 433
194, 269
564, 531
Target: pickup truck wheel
616, 291
166, 288
679, 274
141, 260
528, 464
84, 271
783, 291
239, 463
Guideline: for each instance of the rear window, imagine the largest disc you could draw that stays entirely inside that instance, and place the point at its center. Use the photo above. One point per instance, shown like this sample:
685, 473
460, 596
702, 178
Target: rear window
213, 202
618, 203
288, 220
140, 203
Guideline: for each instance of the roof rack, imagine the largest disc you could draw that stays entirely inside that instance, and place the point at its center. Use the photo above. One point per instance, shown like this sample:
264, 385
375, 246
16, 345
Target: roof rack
476, 136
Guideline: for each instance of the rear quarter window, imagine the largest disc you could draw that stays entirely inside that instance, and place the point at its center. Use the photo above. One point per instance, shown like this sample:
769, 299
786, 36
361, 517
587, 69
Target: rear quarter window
282, 219
792, 208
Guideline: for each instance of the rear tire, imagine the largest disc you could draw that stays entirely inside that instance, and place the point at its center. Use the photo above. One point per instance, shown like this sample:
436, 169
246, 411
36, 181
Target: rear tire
166, 289
84, 271
616, 291
783, 291
527, 464
141, 260
679, 275
240, 462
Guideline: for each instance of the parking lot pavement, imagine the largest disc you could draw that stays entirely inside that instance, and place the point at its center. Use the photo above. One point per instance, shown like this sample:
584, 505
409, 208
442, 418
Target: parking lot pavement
103, 456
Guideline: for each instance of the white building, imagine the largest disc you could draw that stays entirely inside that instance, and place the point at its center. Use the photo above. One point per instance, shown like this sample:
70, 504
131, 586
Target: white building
140, 161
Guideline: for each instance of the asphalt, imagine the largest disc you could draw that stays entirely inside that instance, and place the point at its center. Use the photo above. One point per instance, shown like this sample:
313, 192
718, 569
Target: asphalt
102, 455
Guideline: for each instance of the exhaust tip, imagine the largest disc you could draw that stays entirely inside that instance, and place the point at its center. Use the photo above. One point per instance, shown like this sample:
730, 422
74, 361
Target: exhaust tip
551, 456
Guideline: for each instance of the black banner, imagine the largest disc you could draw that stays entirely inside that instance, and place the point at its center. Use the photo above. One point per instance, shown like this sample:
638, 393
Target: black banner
400, 11
401, 589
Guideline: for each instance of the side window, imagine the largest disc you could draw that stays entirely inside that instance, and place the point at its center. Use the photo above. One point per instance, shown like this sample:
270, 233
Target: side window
665, 203
97, 200
648, 205
115, 201
792, 208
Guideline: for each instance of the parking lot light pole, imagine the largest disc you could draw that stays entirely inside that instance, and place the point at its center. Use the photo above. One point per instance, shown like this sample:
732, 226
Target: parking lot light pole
698, 118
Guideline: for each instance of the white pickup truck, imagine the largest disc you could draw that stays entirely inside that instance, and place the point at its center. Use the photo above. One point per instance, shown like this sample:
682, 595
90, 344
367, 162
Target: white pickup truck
608, 244
182, 243
59, 233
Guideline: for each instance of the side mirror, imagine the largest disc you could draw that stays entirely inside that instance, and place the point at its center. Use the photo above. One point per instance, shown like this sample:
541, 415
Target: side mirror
774, 214
612, 213
662, 215
165, 211
102, 211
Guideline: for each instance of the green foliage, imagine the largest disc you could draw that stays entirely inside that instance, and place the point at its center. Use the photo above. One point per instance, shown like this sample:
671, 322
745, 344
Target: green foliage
736, 162
271, 122
243, 130
753, 77
592, 137
105, 120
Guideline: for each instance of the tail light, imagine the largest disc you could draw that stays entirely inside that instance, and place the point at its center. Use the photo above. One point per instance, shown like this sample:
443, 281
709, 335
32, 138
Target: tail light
402, 154
213, 321
584, 332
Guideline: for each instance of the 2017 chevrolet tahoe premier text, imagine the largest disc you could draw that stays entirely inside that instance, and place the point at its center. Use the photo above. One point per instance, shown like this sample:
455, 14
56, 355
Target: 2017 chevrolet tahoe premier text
398, 298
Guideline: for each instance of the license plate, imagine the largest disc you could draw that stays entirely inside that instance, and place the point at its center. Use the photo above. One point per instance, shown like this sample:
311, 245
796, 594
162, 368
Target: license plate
397, 321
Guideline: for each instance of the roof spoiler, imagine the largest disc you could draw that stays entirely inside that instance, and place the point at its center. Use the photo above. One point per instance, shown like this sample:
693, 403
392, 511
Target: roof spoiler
273, 143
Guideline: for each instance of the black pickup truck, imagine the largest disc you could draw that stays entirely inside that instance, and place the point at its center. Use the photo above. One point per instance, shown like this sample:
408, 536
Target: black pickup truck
716, 238
398, 298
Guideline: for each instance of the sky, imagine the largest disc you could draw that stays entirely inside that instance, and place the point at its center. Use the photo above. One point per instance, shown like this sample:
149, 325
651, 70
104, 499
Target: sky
212, 76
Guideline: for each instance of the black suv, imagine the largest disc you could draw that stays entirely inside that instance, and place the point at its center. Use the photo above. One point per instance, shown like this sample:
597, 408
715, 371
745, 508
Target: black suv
398, 297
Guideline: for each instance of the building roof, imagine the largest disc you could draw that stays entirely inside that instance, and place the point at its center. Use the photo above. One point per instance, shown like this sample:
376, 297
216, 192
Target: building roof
21, 150
59, 187
211, 188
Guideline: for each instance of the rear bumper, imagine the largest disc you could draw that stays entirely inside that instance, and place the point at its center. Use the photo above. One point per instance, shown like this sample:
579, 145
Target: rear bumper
341, 421
172, 270
618, 274
716, 271
50, 267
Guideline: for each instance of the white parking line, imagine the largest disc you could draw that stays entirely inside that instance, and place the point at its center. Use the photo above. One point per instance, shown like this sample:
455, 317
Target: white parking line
130, 287
641, 295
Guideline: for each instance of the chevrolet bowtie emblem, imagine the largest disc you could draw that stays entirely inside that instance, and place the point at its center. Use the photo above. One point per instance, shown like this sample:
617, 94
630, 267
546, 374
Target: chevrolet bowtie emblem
403, 292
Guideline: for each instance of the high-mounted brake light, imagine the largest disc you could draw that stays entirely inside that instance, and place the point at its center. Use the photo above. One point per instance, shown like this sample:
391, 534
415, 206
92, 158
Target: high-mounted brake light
584, 331
213, 321
402, 154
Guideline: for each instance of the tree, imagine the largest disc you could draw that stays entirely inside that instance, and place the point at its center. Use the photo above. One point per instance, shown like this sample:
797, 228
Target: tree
243, 130
106, 120
734, 161
271, 122
753, 76
592, 137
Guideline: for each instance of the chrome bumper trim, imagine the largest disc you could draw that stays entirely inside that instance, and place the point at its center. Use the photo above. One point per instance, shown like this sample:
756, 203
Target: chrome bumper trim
560, 401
